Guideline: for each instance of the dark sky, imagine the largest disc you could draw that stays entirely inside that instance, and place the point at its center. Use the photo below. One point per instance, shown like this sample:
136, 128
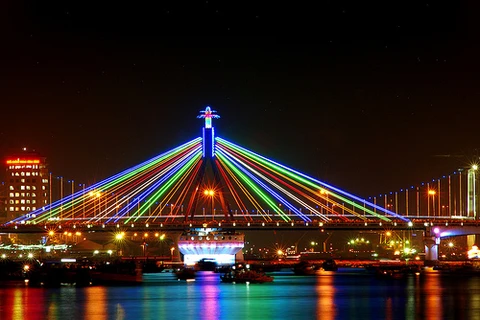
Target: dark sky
362, 95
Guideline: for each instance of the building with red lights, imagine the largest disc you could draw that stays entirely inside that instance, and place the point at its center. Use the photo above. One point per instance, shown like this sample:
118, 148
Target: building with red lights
26, 183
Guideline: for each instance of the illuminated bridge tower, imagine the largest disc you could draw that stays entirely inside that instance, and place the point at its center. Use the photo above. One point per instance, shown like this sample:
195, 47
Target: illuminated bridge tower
472, 192
211, 244
472, 200
208, 166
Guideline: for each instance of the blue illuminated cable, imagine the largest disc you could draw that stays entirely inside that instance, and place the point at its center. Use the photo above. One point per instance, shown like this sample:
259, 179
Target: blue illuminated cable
317, 181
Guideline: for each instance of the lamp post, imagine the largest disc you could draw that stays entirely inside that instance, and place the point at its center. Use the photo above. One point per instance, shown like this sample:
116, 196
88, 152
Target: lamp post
96, 195
145, 244
118, 240
71, 195
432, 193
171, 252
61, 198
83, 200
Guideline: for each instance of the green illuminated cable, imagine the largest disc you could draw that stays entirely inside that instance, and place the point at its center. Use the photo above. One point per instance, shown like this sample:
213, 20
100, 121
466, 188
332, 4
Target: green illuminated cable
254, 187
165, 187
298, 178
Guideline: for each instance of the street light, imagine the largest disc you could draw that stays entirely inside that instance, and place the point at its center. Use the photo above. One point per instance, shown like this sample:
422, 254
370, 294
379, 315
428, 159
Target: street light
119, 236
145, 244
73, 191
210, 193
432, 193
96, 195
171, 252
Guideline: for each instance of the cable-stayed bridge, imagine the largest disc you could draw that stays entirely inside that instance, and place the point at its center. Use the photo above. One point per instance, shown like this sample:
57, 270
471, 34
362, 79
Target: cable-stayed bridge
212, 182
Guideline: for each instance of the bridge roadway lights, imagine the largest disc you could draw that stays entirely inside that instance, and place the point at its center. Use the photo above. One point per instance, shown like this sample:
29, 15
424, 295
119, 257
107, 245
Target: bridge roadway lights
239, 225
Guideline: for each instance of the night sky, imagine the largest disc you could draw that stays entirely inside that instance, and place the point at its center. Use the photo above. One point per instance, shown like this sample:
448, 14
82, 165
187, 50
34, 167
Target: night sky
369, 97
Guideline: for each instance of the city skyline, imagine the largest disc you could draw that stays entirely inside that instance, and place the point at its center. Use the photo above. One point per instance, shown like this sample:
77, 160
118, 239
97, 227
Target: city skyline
369, 99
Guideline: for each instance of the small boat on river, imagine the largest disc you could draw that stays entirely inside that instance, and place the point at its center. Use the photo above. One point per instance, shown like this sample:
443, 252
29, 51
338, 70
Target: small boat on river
245, 276
117, 273
304, 268
329, 265
186, 274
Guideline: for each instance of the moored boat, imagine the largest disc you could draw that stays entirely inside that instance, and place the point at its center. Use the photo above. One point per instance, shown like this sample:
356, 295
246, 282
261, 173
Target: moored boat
329, 265
304, 268
117, 273
245, 275
185, 274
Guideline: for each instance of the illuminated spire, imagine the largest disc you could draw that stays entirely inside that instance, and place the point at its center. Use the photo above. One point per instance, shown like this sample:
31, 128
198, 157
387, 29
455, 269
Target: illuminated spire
208, 114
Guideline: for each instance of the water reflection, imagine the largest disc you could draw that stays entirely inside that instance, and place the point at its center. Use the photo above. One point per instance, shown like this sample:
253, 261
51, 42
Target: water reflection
210, 297
18, 305
325, 289
95, 303
21, 303
433, 297
469, 303
411, 292
326, 296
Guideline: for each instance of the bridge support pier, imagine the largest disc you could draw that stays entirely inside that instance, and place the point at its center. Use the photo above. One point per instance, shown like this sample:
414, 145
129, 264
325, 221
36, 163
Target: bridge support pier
471, 240
239, 256
431, 250
175, 252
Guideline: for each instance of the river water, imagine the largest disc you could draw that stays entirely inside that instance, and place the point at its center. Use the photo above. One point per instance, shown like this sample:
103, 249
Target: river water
345, 294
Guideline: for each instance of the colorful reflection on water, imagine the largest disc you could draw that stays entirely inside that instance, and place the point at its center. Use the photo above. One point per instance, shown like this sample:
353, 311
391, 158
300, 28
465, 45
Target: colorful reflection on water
326, 308
346, 294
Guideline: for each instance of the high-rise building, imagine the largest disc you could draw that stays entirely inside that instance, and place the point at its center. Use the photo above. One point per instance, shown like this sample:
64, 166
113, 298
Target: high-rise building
26, 182
3, 202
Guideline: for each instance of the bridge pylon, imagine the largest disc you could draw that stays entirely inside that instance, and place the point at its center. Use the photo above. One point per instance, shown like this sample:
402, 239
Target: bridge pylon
431, 250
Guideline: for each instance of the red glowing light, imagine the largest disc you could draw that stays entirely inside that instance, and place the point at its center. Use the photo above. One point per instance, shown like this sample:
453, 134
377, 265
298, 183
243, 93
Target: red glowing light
23, 161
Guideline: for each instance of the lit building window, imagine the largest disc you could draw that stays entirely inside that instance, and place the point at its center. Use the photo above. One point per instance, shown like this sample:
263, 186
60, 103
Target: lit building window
34, 194
17, 209
34, 208
34, 201
27, 174
28, 187
22, 180
43, 188
22, 194
11, 202
17, 201
45, 180
22, 208
11, 187
34, 188
22, 187
22, 174
12, 208
22, 201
